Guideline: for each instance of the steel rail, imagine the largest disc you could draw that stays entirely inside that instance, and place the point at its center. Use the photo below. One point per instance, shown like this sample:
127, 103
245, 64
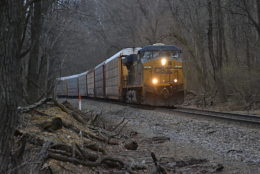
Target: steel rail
250, 119
234, 117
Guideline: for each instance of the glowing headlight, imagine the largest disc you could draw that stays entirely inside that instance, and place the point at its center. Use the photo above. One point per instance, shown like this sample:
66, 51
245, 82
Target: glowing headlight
175, 80
163, 61
155, 81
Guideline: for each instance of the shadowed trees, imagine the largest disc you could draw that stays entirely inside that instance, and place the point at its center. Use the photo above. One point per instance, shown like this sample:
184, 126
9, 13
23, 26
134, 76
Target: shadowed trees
16, 17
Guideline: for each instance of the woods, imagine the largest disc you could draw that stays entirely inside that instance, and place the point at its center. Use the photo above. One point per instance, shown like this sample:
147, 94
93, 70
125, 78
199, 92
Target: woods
219, 39
41, 40
15, 19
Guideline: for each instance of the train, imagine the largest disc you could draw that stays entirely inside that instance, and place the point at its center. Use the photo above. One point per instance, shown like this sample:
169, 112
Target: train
151, 75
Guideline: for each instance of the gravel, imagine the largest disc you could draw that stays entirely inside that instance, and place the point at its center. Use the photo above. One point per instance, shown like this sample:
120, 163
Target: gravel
228, 143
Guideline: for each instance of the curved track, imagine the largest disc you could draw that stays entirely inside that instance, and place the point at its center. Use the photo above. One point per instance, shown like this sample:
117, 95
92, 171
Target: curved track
226, 116
241, 118
231, 117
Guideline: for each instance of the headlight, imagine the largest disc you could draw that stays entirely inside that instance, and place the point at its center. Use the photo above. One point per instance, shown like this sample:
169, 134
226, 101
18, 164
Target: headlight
175, 80
155, 81
163, 61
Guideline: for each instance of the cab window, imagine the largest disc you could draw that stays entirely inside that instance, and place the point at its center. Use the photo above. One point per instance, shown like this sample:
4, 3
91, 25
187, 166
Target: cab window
146, 56
149, 55
173, 55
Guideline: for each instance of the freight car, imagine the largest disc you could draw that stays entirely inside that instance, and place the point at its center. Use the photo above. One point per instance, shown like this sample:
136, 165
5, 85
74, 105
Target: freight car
150, 75
72, 86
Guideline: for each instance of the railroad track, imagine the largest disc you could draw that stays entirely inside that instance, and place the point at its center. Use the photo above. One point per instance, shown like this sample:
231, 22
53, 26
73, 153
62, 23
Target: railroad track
241, 118
233, 117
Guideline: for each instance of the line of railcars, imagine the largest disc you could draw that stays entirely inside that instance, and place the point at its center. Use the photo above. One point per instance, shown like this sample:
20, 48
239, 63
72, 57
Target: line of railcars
149, 75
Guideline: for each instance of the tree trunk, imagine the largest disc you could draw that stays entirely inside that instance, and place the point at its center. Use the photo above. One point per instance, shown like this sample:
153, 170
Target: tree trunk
258, 16
10, 34
216, 57
258, 41
33, 71
210, 39
219, 53
43, 75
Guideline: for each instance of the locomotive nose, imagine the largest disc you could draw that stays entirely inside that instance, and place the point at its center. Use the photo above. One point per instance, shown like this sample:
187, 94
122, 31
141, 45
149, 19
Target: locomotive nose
165, 93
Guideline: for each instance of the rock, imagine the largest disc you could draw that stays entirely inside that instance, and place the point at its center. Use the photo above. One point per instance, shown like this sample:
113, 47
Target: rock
133, 133
211, 132
171, 165
218, 167
161, 139
131, 145
234, 151
189, 162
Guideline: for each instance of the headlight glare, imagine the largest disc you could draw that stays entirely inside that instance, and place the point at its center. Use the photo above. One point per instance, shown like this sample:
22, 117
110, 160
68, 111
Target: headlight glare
155, 81
163, 61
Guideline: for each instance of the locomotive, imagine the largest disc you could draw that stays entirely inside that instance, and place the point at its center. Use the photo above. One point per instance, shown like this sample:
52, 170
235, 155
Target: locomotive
150, 75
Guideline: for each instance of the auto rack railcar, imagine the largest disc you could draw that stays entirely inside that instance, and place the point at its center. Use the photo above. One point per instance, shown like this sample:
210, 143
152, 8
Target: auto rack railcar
72, 86
100, 81
91, 83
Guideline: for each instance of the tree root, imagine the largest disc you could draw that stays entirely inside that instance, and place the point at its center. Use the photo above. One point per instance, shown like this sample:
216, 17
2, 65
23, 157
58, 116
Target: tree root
78, 154
90, 134
35, 105
109, 161
72, 113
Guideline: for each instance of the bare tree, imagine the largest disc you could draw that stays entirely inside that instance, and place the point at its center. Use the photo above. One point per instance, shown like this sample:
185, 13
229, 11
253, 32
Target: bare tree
10, 35
15, 17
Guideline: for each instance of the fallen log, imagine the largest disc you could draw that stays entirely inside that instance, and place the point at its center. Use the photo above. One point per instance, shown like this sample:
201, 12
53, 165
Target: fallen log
72, 113
109, 161
34, 111
94, 147
51, 124
71, 160
92, 118
90, 134
61, 152
70, 107
69, 149
56, 147
35, 105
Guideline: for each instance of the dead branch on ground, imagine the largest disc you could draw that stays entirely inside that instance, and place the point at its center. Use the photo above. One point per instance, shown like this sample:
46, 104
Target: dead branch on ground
35, 105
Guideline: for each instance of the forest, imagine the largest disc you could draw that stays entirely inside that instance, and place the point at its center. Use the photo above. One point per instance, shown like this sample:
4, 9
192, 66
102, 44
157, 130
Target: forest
41, 40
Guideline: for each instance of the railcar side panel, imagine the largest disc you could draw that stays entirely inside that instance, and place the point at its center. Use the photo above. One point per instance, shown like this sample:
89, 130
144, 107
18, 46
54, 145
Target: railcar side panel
83, 85
99, 81
73, 89
91, 83
113, 78
61, 88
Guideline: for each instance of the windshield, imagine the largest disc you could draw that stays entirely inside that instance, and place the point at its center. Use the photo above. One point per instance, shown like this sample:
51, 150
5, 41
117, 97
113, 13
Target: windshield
149, 55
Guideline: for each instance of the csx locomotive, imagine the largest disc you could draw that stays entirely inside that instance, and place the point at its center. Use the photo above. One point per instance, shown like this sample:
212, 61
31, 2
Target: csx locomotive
149, 75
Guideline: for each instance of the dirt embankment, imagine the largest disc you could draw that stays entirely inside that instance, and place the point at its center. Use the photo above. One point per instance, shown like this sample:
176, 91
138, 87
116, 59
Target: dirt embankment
235, 147
57, 138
